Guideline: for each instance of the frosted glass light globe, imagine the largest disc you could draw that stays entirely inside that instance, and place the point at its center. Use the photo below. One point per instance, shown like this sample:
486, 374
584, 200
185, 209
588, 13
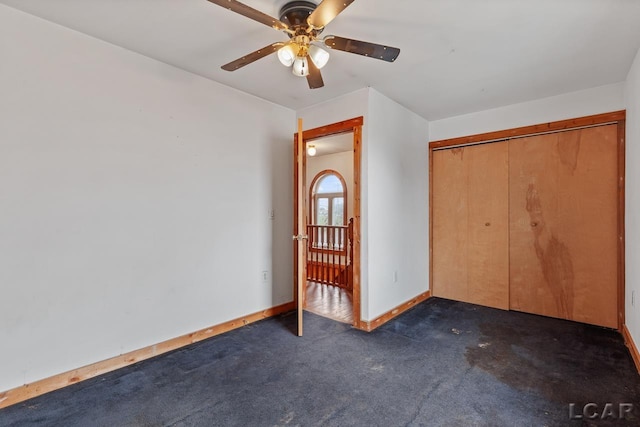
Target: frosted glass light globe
301, 66
287, 55
319, 56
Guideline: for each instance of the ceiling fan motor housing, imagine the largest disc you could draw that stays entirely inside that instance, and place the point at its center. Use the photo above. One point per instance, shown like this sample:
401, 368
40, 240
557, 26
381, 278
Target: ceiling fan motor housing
295, 14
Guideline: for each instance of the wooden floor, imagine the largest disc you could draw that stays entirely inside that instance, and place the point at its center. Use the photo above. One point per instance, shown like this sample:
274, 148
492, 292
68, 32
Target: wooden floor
329, 301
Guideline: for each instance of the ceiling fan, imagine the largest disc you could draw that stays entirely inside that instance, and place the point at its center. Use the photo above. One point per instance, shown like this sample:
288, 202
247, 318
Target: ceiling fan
303, 21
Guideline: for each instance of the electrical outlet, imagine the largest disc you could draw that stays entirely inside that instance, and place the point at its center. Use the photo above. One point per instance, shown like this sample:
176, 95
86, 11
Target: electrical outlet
633, 298
395, 276
265, 276
272, 214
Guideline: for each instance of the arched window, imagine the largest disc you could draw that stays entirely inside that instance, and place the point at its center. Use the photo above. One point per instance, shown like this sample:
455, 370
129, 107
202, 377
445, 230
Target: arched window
328, 199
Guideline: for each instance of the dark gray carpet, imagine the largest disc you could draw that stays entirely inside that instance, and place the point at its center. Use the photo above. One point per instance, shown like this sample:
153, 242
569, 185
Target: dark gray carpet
443, 363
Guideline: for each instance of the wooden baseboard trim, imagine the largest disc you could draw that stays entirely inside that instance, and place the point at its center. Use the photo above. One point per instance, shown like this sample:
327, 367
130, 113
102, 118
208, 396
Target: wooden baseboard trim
631, 345
369, 326
27, 391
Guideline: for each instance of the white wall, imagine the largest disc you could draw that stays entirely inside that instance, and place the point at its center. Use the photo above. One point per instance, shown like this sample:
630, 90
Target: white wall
339, 162
632, 195
134, 201
398, 210
345, 107
596, 100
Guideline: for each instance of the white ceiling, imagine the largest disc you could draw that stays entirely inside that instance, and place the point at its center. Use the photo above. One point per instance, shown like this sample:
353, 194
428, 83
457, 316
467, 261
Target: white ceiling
458, 56
333, 144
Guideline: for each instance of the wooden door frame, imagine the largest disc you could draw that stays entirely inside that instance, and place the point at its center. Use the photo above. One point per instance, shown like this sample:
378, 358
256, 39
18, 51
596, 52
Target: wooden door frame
347, 126
615, 117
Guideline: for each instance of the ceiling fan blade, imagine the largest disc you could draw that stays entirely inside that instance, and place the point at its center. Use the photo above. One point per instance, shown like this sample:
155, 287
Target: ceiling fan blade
372, 50
252, 57
326, 11
314, 78
251, 13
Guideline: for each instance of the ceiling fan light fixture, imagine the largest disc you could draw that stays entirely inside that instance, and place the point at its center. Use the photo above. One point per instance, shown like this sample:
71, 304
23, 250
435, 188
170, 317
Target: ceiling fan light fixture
303, 21
319, 56
301, 66
287, 55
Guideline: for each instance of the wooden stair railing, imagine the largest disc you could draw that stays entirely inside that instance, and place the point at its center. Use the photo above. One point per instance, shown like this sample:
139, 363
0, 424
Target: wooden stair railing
330, 253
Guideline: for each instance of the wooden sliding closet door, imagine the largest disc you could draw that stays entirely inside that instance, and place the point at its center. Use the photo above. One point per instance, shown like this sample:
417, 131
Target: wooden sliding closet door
563, 225
470, 224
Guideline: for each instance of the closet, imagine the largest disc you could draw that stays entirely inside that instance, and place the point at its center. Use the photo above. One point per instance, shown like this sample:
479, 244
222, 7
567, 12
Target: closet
470, 209
531, 223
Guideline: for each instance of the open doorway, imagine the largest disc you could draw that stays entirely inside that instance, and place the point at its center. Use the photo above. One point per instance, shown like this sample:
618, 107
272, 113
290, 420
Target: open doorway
331, 177
330, 191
